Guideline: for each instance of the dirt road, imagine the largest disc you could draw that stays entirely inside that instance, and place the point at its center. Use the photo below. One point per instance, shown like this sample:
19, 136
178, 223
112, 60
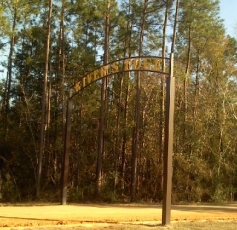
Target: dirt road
46, 215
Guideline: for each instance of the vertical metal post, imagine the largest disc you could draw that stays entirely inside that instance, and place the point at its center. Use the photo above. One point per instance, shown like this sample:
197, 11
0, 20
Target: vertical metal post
168, 148
65, 165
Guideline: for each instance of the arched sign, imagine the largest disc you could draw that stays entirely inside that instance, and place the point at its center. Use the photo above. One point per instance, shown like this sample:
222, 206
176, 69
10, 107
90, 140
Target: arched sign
148, 63
160, 65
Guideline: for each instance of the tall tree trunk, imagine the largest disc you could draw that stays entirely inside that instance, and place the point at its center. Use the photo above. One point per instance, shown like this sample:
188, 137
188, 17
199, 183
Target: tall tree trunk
9, 72
124, 138
136, 129
162, 86
175, 26
196, 90
60, 97
185, 86
116, 154
43, 102
124, 80
103, 106
61, 65
48, 136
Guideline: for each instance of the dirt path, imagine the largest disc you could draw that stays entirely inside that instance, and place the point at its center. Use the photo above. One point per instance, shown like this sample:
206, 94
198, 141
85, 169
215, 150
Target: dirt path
46, 215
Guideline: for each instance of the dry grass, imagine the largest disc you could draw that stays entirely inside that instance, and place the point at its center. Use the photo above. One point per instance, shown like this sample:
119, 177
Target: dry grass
119, 216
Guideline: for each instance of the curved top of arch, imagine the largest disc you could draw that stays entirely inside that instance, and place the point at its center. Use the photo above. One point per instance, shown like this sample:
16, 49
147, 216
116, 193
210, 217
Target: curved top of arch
141, 63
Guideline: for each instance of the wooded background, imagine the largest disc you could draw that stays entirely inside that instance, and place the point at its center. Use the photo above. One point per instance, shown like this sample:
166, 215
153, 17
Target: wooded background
117, 136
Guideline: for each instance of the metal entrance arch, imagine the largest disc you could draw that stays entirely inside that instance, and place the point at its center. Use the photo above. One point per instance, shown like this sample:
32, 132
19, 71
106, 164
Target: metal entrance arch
147, 63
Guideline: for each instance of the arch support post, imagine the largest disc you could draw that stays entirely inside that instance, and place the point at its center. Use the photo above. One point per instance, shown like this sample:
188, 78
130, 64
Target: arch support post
168, 146
65, 162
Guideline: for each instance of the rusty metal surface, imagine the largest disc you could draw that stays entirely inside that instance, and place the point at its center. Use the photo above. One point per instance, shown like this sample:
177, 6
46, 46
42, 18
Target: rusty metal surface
168, 148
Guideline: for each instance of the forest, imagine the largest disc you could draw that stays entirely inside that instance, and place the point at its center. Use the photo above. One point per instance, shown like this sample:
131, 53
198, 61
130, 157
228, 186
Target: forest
117, 137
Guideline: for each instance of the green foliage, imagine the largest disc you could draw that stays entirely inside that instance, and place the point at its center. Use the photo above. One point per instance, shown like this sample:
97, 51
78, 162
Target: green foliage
205, 137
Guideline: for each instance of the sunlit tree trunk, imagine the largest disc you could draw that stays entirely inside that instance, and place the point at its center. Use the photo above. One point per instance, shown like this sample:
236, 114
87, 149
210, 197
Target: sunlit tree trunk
60, 95
43, 101
99, 176
9, 71
136, 130
185, 84
162, 85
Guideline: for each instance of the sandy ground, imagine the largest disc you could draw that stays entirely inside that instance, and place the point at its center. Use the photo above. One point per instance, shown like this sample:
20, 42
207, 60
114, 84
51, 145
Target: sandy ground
87, 215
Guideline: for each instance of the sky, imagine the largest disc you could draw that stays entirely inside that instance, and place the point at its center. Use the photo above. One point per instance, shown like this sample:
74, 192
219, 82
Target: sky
228, 12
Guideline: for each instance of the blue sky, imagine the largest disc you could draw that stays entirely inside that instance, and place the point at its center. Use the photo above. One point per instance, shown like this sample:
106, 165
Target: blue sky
228, 12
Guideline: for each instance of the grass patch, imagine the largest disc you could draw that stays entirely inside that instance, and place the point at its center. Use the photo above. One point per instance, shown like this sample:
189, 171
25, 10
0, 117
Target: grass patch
208, 225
